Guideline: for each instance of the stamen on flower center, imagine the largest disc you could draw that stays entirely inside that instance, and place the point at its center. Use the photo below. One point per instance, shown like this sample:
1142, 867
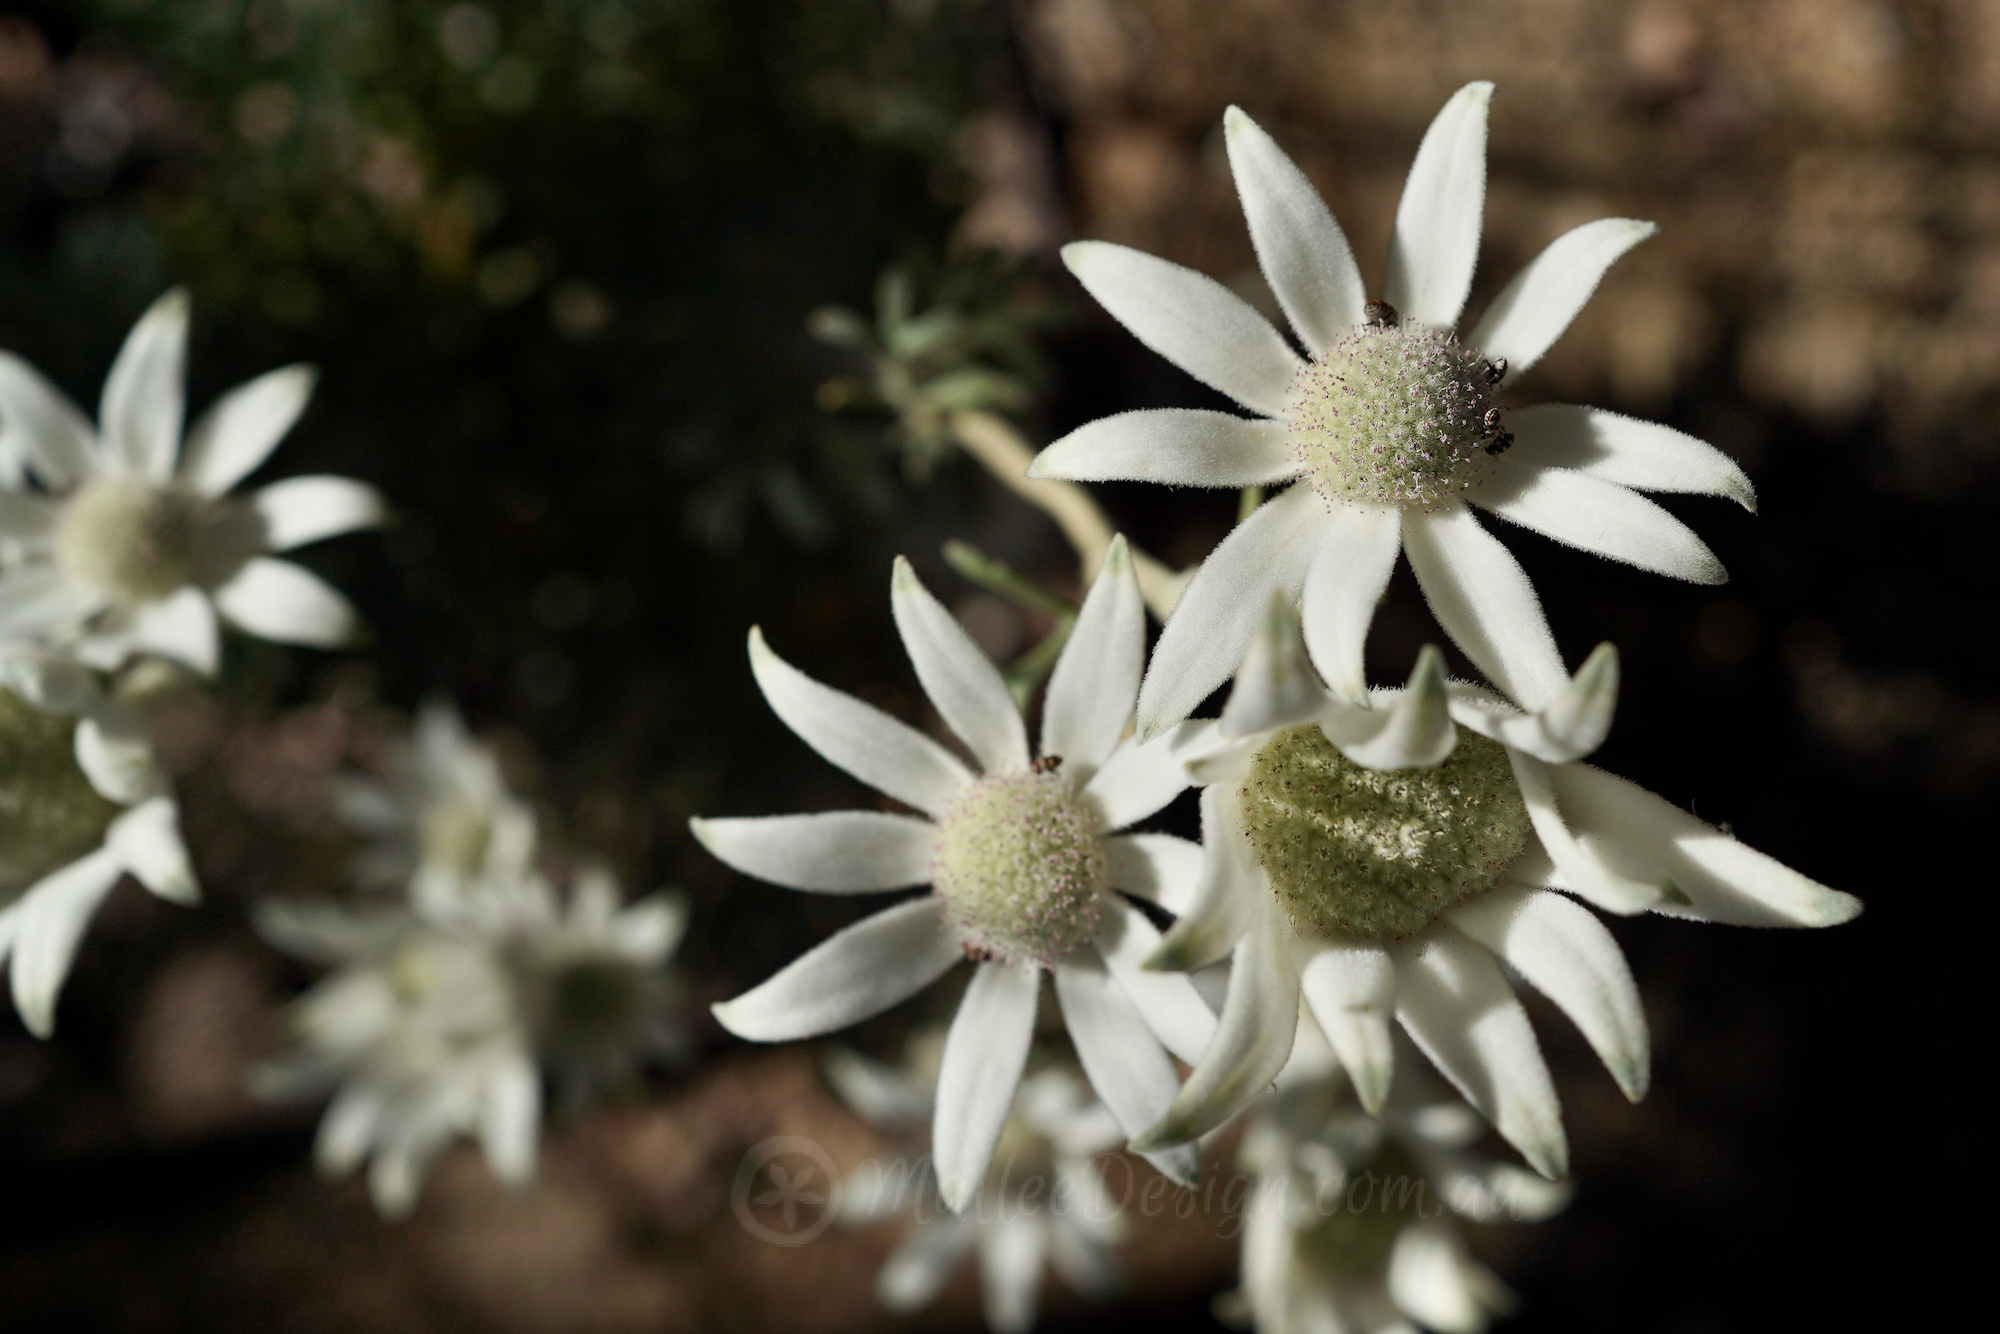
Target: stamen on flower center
132, 541
1392, 414
1019, 866
1354, 852
50, 815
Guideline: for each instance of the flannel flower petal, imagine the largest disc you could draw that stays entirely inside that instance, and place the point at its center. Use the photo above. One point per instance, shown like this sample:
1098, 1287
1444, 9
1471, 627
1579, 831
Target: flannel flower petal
1043, 1199
1028, 869
82, 805
1392, 430
1382, 864
131, 541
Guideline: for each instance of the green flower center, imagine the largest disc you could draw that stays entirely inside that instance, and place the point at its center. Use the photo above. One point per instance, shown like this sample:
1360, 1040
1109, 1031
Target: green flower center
1019, 866
594, 1000
132, 541
1356, 1230
50, 815
1394, 416
1354, 852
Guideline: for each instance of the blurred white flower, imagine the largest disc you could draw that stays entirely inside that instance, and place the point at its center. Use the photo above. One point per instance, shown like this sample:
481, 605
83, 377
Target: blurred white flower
443, 819
1042, 1201
1382, 863
82, 803
1390, 429
1024, 862
130, 542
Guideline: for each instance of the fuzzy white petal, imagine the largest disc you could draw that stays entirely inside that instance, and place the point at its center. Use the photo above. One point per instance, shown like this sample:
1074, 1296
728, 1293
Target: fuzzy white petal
1727, 880
1583, 872
38, 598
1137, 780
960, 679
1481, 596
348, 1128
1225, 896
1096, 680
1176, 446
60, 441
651, 929
1640, 454
1259, 1023
1602, 518
1300, 248
275, 599
299, 510
924, 1262
241, 428
1224, 603
1568, 956
1351, 991
1345, 581
49, 922
1011, 1253
1434, 1281
1159, 868
115, 753
1276, 686
1171, 1006
180, 626
1415, 732
1453, 1000
26, 517
888, 1097
1120, 1054
1436, 243
853, 975
510, 1119
888, 755
1532, 311
148, 842
144, 403
984, 1052
1569, 727
840, 852
1191, 320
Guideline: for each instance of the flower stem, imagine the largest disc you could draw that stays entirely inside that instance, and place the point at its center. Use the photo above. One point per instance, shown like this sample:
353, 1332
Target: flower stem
999, 578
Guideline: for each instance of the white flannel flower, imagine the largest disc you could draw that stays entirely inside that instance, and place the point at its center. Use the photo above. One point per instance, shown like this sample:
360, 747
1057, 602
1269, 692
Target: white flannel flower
1389, 429
1043, 1199
1349, 1225
1381, 863
131, 542
444, 818
82, 803
1024, 860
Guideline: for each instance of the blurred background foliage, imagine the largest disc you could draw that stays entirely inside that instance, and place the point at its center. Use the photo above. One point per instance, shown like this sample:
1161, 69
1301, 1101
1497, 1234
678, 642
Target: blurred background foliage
645, 315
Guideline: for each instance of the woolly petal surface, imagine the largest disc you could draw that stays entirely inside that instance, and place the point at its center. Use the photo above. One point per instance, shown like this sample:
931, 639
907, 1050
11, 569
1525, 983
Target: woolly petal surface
180, 626
510, 1119
1011, 1254
855, 974
1191, 320
1639, 454
1344, 584
1096, 680
1351, 991
1159, 868
840, 852
1568, 956
61, 443
984, 1053
1602, 518
1415, 733
1124, 1060
1226, 897
1481, 596
1532, 311
48, 925
38, 598
1176, 446
1170, 1005
960, 679
1259, 1023
1583, 872
1435, 1281
299, 510
1569, 727
888, 755
147, 839
1453, 1000
1301, 249
1276, 686
1726, 881
924, 1262
275, 599
1436, 242
1138, 780
236, 434
1219, 611
144, 403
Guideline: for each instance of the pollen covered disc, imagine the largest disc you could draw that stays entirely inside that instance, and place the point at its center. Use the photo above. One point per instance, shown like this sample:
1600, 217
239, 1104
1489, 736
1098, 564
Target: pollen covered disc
133, 541
1019, 866
1379, 855
1395, 415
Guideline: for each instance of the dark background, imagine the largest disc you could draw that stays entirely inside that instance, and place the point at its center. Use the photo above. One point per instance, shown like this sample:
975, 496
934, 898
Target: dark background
566, 336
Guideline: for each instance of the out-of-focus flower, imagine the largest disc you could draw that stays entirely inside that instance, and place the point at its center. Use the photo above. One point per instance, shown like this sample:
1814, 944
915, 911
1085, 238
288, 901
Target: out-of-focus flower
132, 542
1024, 861
443, 819
438, 1026
1349, 1225
1043, 1200
1381, 863
1390, 429
82, 803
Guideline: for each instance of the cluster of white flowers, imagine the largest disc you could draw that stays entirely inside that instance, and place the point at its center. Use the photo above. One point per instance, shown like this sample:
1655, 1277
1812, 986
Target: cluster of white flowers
1370, 857
446, 1007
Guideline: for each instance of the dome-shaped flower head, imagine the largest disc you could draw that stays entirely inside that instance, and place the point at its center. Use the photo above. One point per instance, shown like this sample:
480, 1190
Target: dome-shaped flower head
82, 804
1391, 428
1028, 871
132, 543
1382, 863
